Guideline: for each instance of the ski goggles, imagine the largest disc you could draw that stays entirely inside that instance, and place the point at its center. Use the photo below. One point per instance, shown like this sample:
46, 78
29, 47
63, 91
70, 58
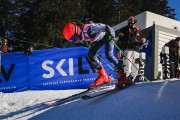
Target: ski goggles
73, 38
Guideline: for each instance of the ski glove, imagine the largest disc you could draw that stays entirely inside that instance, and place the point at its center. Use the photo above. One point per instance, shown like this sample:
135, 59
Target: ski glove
86, 44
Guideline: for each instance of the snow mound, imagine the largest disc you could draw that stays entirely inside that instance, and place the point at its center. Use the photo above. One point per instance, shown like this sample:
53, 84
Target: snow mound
143, 101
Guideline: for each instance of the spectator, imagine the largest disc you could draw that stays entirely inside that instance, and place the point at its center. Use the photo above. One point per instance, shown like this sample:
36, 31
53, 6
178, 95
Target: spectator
173, 56
130, 43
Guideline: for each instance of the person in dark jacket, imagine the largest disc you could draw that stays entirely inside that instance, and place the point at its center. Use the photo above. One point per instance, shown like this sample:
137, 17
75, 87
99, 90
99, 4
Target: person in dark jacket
173, 56
130, 42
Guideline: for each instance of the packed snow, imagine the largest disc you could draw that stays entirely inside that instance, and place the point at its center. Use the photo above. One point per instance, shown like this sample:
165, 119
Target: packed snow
143, 101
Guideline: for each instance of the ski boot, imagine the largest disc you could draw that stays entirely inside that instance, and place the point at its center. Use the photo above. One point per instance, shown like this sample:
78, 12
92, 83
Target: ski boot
102, 78
123, 80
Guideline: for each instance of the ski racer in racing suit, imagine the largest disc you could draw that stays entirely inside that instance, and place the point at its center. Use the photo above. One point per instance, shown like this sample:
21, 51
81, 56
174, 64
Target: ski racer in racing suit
97, 34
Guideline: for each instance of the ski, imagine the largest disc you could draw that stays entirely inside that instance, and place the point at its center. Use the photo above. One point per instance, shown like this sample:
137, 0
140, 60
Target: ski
89, 96
78, 95
64, 100
86, 97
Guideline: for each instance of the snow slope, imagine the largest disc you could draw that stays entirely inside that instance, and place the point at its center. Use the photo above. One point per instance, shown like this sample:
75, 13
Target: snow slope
146, 101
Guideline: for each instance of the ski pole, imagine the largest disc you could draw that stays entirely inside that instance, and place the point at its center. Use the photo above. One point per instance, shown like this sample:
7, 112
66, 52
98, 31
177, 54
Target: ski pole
128, 58
106, 63
98, 57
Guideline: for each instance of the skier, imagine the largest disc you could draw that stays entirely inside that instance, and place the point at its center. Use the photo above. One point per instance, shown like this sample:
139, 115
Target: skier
130, 41
97, 34
173, 56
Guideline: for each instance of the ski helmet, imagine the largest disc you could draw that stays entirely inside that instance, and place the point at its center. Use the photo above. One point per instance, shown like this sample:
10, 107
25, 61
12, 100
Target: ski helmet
71, 31
132, 20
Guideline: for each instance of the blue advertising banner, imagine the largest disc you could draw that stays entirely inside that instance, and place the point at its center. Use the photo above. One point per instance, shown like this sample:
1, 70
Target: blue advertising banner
14, 73
59, 69
62, 69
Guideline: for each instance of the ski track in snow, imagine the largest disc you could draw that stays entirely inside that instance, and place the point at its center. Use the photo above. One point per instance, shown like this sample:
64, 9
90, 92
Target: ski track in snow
144, 101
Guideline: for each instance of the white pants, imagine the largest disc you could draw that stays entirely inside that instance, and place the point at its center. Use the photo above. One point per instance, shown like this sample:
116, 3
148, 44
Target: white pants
129, 68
